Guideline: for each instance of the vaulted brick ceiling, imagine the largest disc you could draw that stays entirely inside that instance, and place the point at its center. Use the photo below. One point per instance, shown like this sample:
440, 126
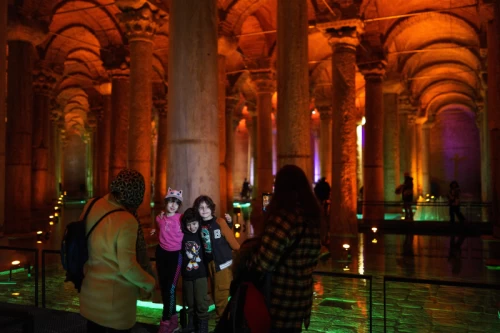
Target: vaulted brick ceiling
434, 55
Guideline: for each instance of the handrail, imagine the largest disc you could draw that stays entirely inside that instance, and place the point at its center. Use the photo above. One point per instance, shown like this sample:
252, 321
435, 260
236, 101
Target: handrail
36, 252
463, 284
354, 276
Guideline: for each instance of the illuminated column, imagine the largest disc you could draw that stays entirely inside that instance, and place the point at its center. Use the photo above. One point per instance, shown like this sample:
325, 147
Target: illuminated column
412, 142
404, 111
3, 106
344, 37
120, 113
161, 152
221, 115
193, 139
417, 179
373, 160
43, 84
19, 136
294, 118
493, 40
425, 159
231, 123
253, 158
482, 123
391, 147
103, 145
325, 115
140, 26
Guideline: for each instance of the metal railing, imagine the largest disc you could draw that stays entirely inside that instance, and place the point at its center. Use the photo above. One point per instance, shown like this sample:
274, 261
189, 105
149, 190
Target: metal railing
354, 276
36, 252
432, 282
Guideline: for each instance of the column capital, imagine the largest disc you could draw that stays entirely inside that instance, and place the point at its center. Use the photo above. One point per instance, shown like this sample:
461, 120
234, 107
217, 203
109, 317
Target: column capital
104, 88
325, 112
141, 22
31, 31
231, 102
162, 106
373, 70
344, 33
44, 80
404, 104
264, 80
412, 119
116, 60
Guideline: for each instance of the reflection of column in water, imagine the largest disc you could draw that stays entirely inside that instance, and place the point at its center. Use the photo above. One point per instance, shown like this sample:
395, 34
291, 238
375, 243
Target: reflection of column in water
419, 209
443, 209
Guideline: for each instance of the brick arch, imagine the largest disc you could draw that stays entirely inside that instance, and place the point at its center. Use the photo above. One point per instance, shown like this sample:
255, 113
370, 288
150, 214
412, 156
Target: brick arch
446, 84
440, 102
237, 14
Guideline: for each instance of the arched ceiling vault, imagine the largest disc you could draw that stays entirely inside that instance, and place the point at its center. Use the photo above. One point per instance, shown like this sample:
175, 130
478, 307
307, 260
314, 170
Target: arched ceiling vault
441, 101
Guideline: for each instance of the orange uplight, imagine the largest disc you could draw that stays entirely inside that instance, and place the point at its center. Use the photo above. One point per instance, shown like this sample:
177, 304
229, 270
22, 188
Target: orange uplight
56, 214
51, 216
39, 232
374, 229
237, 234
346, 246
39, 242
51, 223
15, 262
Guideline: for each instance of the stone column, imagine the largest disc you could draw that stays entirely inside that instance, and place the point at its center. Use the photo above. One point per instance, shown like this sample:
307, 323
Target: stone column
344, 37
325, 154
425, 157
193, 139
493, 40
231, 104
19, 136
221, 115
264, 81
252, 151
3, 106
43, 84
161, 106
391, 147
103, 145
373, 160
412, 133
404, 112
482, 123
419, 153
140, 26
293, 118
120, 113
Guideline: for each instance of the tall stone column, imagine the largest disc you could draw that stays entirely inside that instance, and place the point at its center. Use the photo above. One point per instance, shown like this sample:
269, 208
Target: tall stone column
425, 157
391, 147
3, 106
193, 139
19, 136
140, 26
221, 115
412, 133
231, 104
120, 110
325, 135
264, 81
419, 154
293, 119
373, 160
493, 40
344, 37
161, 106
404, 112
482, 123
253, 158
43, 84
103, 145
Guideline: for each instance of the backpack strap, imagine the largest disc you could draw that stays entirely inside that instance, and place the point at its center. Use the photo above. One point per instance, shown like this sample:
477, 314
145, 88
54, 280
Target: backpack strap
102, 218
89, 208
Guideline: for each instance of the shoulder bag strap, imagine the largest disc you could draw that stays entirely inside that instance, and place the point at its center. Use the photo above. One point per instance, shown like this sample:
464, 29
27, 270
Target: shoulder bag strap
95, 225
89, 208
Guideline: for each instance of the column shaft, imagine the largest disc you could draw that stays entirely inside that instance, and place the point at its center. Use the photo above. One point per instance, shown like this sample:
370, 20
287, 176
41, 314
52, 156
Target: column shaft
18, 139
193, 134
425, 157
221, 61
161, 154
104, 146
326, 142
412, 132
3, 106
253, 128
120, 100
231, 103
293, 119
391, 147
344, 192
40, 141
141, 99
373, 161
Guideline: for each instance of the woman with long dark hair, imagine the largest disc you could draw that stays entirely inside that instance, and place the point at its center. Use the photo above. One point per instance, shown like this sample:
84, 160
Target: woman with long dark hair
289, 249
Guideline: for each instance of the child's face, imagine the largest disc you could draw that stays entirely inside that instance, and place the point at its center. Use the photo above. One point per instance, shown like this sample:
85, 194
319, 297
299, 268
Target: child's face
193, 226
205, 211
172, 206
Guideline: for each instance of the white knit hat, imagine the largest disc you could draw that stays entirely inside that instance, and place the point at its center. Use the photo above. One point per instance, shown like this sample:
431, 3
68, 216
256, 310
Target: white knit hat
174, 194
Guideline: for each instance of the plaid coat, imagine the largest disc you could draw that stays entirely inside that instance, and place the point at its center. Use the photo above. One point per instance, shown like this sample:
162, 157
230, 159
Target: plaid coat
292, 284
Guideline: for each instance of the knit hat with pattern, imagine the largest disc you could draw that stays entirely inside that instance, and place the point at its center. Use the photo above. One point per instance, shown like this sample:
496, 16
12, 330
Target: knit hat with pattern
129, 188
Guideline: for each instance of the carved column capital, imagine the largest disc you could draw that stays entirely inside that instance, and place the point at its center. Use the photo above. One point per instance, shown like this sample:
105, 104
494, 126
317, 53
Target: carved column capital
44, 80
162, 106
325, 112
344, 33
373, 70
264, 80
116, 60
141, 23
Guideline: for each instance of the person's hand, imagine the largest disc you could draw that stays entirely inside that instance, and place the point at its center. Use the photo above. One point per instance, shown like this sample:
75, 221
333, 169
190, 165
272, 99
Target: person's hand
153, 231
228, 218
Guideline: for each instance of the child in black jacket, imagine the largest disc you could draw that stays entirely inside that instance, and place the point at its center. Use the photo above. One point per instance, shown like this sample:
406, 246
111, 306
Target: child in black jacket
194, 273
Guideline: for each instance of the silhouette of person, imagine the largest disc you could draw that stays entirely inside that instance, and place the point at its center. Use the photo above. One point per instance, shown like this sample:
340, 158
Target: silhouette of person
406, 191
454, 202
322, 190
245, 189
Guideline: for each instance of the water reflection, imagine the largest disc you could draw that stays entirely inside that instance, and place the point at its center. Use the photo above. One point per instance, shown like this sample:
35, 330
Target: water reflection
455, 253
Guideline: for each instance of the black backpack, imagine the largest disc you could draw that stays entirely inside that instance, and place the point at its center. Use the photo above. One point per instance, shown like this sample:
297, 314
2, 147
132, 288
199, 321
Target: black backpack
74, 247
